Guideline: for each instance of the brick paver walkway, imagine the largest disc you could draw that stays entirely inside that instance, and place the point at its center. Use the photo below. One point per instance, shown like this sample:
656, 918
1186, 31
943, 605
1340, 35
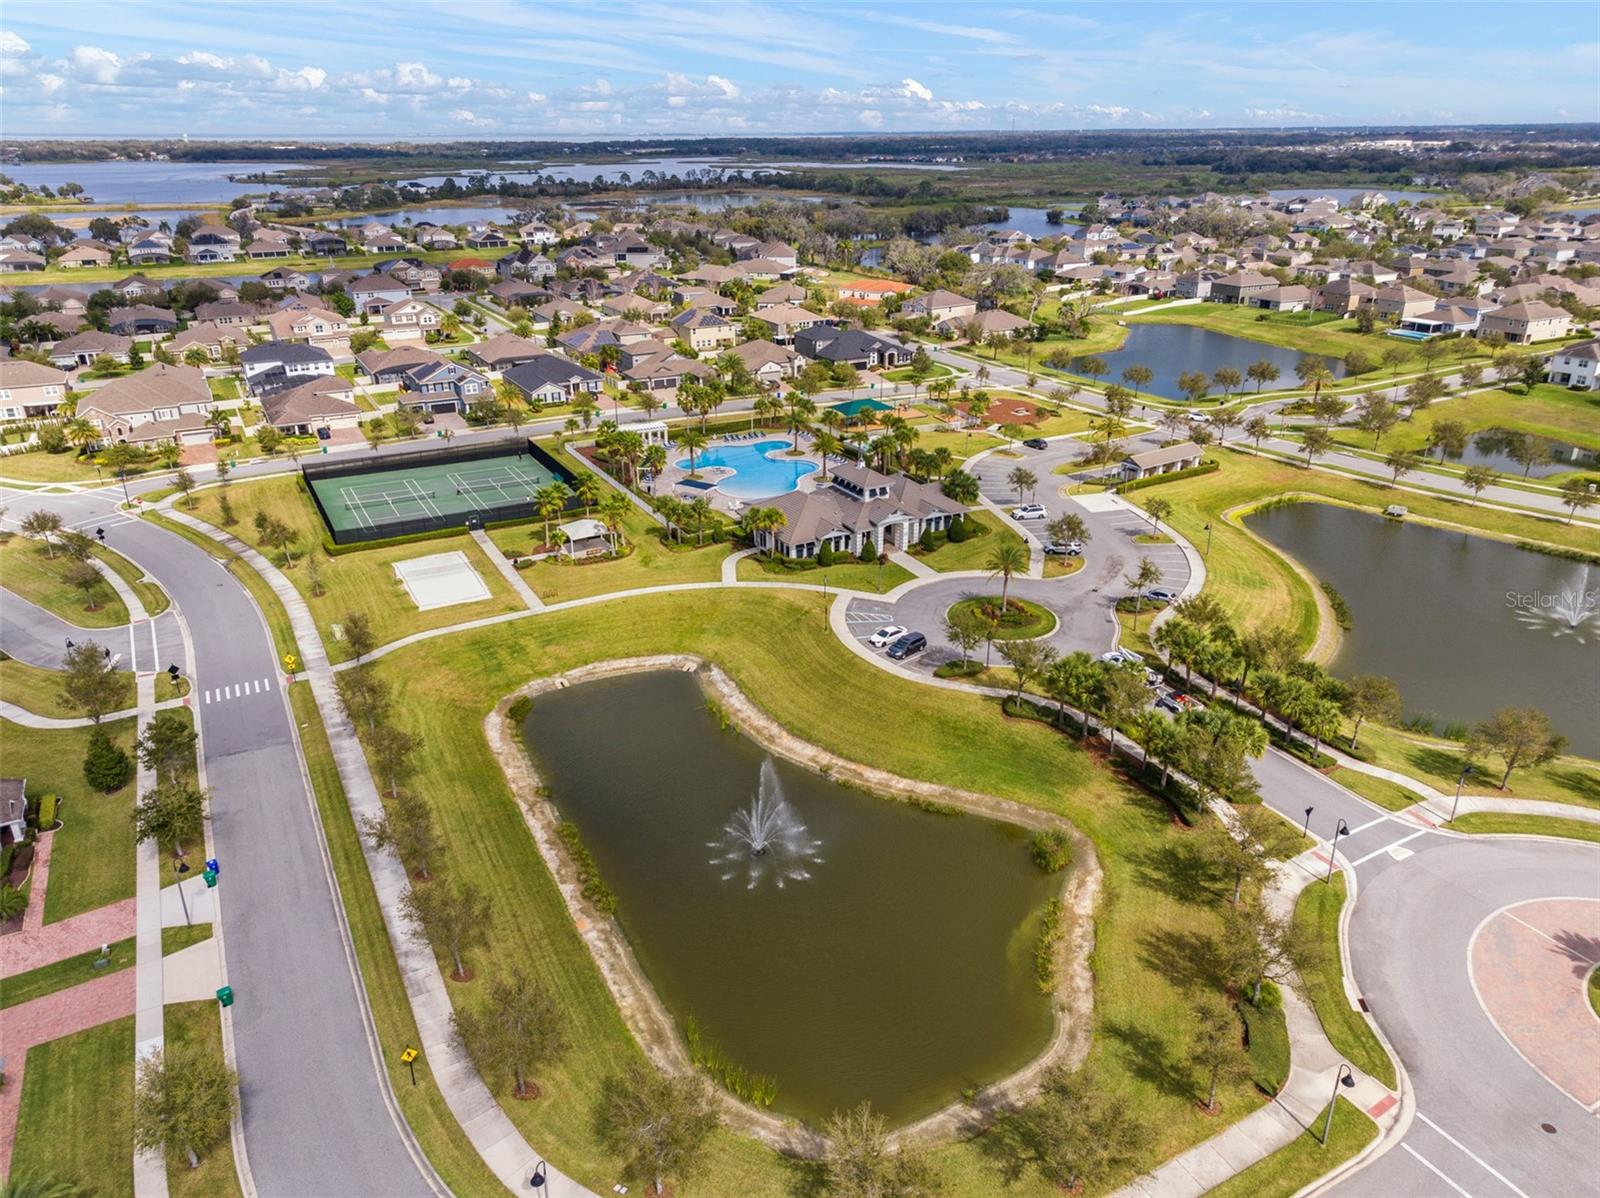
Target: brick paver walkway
39, 943
50, 1018
1530, 963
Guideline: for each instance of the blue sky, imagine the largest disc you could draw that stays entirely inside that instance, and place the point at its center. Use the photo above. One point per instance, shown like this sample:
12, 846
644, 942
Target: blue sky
430, 68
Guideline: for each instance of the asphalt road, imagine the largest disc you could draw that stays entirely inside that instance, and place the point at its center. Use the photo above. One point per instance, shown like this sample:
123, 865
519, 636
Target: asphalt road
315, 1116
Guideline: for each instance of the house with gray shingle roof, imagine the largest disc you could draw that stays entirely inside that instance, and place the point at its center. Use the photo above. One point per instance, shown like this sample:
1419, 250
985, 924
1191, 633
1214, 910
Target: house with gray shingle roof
858, 505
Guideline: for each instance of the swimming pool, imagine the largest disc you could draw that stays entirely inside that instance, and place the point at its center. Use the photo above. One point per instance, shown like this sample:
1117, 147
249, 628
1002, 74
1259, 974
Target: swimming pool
755, 476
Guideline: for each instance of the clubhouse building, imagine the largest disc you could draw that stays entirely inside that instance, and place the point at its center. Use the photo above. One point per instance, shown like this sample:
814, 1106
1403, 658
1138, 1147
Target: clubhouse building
858, 505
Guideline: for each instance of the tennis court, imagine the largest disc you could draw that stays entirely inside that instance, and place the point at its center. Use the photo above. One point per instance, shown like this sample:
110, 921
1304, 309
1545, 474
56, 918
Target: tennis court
399, 497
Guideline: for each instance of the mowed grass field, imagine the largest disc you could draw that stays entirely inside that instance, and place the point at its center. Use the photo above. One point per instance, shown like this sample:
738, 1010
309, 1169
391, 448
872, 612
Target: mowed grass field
28, 570
76, 1119
362, 582
1154, 944
1547, 411
91, 856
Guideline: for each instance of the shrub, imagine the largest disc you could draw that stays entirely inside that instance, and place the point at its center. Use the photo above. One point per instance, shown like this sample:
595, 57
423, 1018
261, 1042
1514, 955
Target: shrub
52, 438
105, 766
47, 811
593, 888
868, 554
926, 540
1044, 950
825, 555
1137, 484
519, 709
1051, 849
958, 529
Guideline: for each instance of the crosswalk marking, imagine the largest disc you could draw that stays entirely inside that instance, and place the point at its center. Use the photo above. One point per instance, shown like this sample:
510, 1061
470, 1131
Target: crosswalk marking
237, 690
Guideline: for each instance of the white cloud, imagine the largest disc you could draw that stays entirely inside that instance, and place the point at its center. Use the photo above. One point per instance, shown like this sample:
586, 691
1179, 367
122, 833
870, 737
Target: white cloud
725, 86
10, 43
91, 64
913, 88
1280, 116
677, 101
871, 118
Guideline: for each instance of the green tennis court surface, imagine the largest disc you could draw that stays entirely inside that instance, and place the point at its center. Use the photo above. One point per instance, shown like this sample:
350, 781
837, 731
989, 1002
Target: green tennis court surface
404, 494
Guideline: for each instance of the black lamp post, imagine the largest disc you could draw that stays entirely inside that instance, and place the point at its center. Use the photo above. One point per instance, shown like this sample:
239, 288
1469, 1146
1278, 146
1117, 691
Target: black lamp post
1340, 829
536, 1180
1207, 553
1306, 830
1344, 1076
1465, 770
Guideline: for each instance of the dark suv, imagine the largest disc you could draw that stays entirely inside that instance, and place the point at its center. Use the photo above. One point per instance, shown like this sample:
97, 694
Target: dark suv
911, 642
1037, 443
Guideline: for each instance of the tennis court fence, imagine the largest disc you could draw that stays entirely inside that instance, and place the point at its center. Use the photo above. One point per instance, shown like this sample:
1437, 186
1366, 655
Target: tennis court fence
379, 500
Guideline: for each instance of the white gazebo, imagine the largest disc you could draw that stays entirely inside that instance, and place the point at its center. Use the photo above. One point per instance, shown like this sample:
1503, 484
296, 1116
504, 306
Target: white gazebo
653, 432
584, 538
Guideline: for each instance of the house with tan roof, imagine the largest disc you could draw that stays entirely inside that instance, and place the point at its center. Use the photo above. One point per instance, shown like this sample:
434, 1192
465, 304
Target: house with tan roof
785, 320
940, 306
314, 326
1397, 302
872, 292
859, 505
303, 410
409, 320
214, 339
84, 253
702, 329
1528, 321
29, 390
159, 403
81, 349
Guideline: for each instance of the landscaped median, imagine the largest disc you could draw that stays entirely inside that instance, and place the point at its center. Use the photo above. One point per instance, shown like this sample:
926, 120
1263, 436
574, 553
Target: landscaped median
1318, 909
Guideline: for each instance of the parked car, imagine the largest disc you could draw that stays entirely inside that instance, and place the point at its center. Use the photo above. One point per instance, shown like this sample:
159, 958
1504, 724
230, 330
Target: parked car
1176, 701
911, 642
886, 636
1029, 511
1122, 657
1169, 703
1199, 418
1152, 678
1036, 443
1066, 549
1161, 595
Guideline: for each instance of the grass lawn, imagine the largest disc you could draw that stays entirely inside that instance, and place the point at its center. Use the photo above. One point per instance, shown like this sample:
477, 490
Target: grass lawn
41, 467
277, 619
191, 1023
961, 443
1318, 908
1022, 621
177, 938
150, 594
1593, 989
1062, 567
1438, 762
425, 1110
39, 690
363, 581
225, 388
42, 580
841, 576
59, 975
91, 859
1550, 411
1391, 796
1525, 825
975, 551
652, 563
905, 375
1254, 582
1304, 1159
76, 1118
1069, 421
1154, 944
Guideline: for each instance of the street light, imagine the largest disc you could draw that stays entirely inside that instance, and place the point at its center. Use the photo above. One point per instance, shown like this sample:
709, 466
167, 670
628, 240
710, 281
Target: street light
536, 1181
1340, 829
1344, 1076
1305, 831
1465, 770
1207, 553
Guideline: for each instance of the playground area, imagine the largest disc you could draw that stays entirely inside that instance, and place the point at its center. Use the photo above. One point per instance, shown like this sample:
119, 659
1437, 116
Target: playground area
411, 493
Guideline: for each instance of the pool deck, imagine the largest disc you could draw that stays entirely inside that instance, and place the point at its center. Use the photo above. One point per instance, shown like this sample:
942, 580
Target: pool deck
675, 480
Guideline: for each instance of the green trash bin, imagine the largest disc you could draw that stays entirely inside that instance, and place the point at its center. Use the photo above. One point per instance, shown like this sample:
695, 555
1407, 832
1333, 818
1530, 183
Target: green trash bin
225, 996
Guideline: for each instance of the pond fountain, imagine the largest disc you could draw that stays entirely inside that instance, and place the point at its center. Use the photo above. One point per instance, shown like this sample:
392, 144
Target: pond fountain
1564, 612
767, 839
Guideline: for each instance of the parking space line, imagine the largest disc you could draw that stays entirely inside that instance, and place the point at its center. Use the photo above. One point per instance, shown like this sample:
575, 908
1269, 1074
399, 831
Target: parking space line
1473, 1155
1435, 1170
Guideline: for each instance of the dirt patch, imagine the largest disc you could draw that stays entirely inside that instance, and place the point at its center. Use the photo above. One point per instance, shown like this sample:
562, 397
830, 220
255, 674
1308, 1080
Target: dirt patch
637, 1000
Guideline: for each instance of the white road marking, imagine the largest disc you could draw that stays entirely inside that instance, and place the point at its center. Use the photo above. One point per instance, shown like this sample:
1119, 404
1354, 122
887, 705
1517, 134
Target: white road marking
1436, 1171
1365, 826
208, 698
1574, 949
1473, 1155
1391, 845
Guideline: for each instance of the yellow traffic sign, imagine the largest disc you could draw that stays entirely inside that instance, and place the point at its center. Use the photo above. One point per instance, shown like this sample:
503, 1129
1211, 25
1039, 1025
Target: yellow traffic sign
408, 1056
291, 663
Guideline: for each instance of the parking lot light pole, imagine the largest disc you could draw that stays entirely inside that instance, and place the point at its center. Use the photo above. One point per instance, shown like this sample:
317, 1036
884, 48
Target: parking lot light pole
1340, 829
1344, 1076
1306, 830
1465, 770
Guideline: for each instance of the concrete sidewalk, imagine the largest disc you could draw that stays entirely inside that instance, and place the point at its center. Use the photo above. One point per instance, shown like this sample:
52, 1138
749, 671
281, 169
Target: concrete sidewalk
508, 571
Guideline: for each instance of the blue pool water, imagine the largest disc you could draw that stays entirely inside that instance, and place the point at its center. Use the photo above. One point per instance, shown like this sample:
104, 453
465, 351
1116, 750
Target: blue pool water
755, 476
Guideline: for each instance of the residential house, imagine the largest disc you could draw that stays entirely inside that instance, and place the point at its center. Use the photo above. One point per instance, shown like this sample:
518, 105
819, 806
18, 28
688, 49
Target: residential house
657, 367
442, 386
275, 365
702, 330
316, 326
524, 263
1237, 288
537, 233
284, 278
872, 292
486, 239
858, 506
214, 339
1527, 321
372, 293
309, 408
1397, 302
136, 286
323, 244
388, 366
1344, 296
988, 323
940, 306
768, 363
634, 307
553, 379
228, 314
18, 261
1575, 366
14, 808
504, 351
81, 349
1290, 298
414, 273
1375, 272
409, 320
857, 347
84, 253
474, 266
434, 237
1444, 318
784, 293
785, 320
150, 246
1161, 461
159, 403
269, 247
139, 319
29, 390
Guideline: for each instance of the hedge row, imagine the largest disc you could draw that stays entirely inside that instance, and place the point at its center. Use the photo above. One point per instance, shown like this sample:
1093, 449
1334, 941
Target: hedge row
1206, 467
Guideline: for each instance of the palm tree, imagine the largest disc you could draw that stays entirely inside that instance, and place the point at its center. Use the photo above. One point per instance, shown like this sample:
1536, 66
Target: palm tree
699, 510
586, 486
693, 441
612, 510
655, 461
1072, 682
81, 432
801, 410
1313, 372
826, 444
766, 409
1141, 581
1005, 561
548, 502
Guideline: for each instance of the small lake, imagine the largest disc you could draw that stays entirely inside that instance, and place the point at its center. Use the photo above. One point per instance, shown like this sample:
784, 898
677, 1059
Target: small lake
1491, 447
444, 215
900, 970
149, 182
1438, 612
1032, 222
1171, 349
1344, 194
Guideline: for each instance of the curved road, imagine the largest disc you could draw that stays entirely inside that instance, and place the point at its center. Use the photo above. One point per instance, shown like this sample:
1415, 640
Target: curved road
317, 1119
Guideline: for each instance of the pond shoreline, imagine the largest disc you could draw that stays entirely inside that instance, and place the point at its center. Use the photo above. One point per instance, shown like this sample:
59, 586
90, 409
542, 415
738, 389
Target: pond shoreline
641, 1007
